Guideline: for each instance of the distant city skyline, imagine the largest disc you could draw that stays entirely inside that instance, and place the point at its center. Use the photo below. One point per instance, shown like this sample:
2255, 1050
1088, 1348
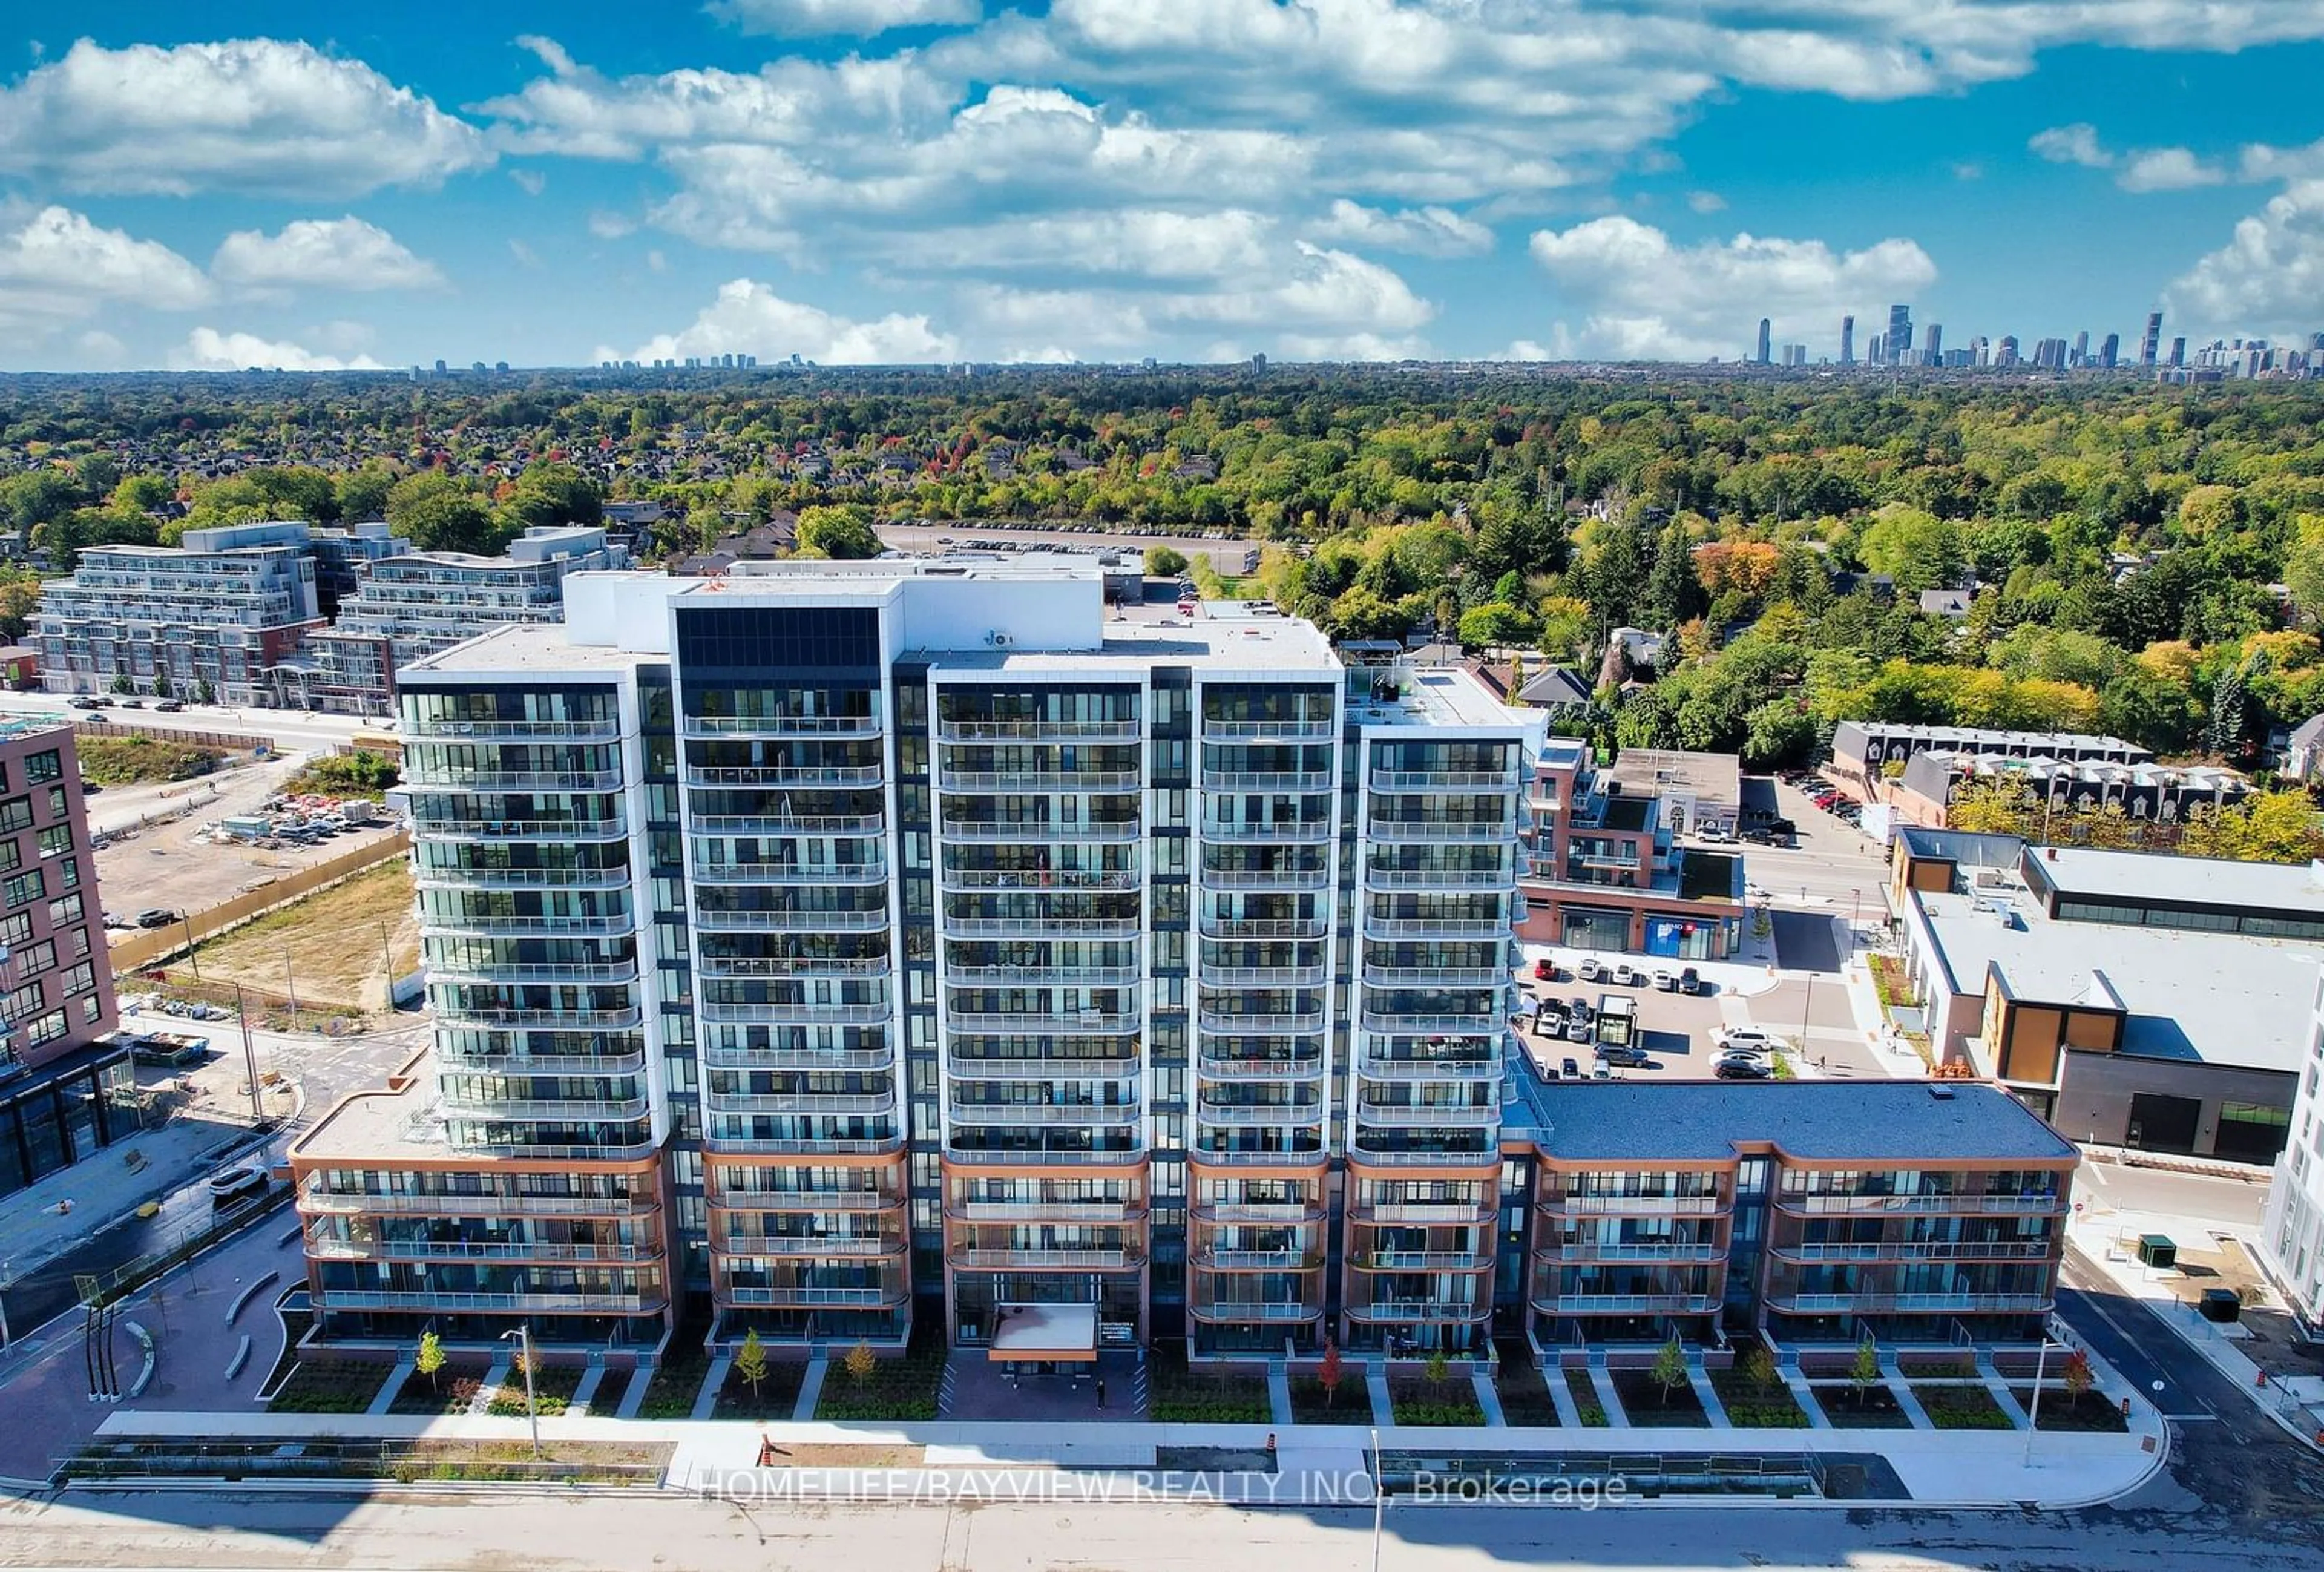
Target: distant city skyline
2298, 356
858, 181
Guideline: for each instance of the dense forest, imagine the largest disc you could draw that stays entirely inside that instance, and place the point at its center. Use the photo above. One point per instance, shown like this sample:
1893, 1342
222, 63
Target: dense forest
2139, 560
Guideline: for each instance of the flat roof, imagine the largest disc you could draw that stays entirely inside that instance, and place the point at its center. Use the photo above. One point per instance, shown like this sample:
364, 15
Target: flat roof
1044, 1332
1228, 635
1718, 777
2224, 999
2099, 876
397, 1120
1822, 1121
523, 647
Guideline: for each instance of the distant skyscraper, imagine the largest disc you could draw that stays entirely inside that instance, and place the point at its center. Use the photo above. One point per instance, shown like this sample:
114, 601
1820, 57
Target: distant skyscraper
1934, 355
2110, 351
2178, 352
1876, 350
1762, 356
2082, 347
1848, 341
2148, 346
2006, 352
1899, 337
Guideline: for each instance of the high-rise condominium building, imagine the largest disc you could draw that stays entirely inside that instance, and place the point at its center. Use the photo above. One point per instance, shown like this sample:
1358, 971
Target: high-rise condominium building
1898, 340
1848, 341
2151, 343
832, 943
1764, 341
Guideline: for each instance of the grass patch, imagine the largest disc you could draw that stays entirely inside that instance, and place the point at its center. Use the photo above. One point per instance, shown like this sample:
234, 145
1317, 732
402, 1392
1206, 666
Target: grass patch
1177, 1395
1849, 1410
607, 1398
450, 1391
777, 1396
328, 1386
553, 1386
1651, 1405
1758, 1405
138, 759
1350, 1405
1966, 1407
1923, 1366
1586, 1404
1524, 1396
361, 773
675, 1385
1449, 1401
899, 1387
333, 939
2089, 1411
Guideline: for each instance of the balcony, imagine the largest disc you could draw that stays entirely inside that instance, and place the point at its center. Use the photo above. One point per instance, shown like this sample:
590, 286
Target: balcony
1434, 977
423, 1298
1210, 927
331, 1248
1043, 832
1302, 781
1052, 1020
782, 777
1019, 1157
1634, 1206
492, 973
826, 1246
1305, 729
1073, 1115
801, 1146
427, 825
1284, 880
1438, 878
805, 920
745, 1297
1627, 1304
1040, 731
849, 873
795, 1013
487, 1019
1446, 1212
1076, 1211
1428, 1116
760, 826
1057, 925
1289, 832
1223, 1022
444, 780
613, 924
1268, 1069
1807, 1203
876, 1104
1063, 975
1923, 1250
718, 1057
545, 1110
1045, 783
2033, 1304
1236, 1312
1272, 1214
1257, 1260
1277, 1114
712, 727
531, 1064
740, 1199
1480, 1260
481, 878
1369, 1067
1403, 831
983, 1259
1363, 1154
1314, 977
963, 881
714, 966
1476, 930
516, 731
1482, 1023
1444, 780
968, 1066
345, 1203
1454, 1312
1645, 1252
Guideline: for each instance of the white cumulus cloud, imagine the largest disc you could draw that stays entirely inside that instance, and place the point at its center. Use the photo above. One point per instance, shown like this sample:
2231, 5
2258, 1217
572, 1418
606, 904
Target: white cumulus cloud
330, 253
2269, 276
2075, 144
56, 265
1424, 231
246, 114
1641, 297
748, 317
809, 18
2167, 169
208, 350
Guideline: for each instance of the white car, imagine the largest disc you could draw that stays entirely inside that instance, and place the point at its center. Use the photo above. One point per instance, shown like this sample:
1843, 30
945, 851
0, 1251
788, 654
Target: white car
1627, 976
1588, 969
1742, 1040
1756, 893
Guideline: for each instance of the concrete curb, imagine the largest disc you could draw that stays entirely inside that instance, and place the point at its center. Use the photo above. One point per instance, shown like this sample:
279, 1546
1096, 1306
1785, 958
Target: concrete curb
250, 1293
241, 1357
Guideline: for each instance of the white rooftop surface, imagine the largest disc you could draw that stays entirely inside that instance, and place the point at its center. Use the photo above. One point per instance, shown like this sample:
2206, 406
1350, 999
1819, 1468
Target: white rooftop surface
2224, 999
522, 647
1224, 635
1044, 1332
2215, 881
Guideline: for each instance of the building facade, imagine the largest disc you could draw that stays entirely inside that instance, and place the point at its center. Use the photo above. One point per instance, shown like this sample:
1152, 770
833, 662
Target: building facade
411, 604
1864, 752
2161, 796
216, 616
2291, 1229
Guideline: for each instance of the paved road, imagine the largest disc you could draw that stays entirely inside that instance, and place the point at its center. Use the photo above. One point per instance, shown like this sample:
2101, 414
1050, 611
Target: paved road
291, 728
556, 1534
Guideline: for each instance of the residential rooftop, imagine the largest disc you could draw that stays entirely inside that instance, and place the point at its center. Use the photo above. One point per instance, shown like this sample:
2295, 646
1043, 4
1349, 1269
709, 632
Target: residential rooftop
1654, 772
1972, 736
2219, 998
399, 1120
1815, 1121
2082, 874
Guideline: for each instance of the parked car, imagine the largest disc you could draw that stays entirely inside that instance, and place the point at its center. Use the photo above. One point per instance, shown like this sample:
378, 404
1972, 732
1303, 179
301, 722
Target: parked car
156, 916
1739, 1069
83, 702
1742, 1040
1577, 1029
1571, 1069
1627, 976
1714, 834
1544, 970
231, 1186
1588, 969
1690, 981
169, 707
1549, 1015
1665, 981
102, 702
1622, 1053
133, 704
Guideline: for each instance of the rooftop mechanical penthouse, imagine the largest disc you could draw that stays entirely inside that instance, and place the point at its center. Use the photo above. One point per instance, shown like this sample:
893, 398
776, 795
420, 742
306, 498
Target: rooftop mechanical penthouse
835, 944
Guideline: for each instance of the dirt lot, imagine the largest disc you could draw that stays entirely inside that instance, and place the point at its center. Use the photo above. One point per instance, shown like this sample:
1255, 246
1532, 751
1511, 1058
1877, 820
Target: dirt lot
329, 948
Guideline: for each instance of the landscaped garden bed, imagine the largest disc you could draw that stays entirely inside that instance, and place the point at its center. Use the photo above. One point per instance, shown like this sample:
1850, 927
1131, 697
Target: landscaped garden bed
1651, 1405
1524, 1395
1758, 1404
450, 1391
1418, 1400
894, 1387
1587, 1405
2062, 1412
607, 1398
1924, 1366
553, 1386
1352, 1404
774, 1397
1961, 1406
1177, 1394
1873, 1407
674, 1387
329, 1386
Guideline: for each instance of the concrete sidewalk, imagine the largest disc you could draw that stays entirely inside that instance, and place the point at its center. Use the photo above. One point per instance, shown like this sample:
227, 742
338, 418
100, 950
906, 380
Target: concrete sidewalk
1314, 1463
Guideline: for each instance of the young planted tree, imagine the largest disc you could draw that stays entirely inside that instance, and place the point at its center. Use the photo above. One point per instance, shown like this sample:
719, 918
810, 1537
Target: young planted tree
1864, 1373
2077, 1377
1328, 1374
751, 1359
430, 1359
1669, 1367
1758, 1366
861, 1362
1438, 1369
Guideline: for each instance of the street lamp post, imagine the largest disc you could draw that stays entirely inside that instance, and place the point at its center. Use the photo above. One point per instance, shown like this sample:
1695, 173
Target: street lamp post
1380, 1499
523, 1335
2034, 1409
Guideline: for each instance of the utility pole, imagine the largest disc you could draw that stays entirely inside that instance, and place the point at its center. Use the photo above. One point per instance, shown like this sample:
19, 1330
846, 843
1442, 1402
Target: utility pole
193, 958
523, 1335
249, 1054
2034, 1409
387, 969
291, 986
1379, 1498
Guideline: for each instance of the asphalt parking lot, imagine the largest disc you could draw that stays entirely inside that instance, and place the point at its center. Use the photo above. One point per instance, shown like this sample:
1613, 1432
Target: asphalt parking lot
1674, 1029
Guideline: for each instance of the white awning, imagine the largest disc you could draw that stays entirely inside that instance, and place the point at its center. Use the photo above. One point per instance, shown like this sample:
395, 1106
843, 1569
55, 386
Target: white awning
1044, 1332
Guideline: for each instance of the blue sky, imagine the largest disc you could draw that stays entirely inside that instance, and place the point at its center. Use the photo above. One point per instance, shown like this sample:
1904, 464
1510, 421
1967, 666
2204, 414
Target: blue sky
884, 180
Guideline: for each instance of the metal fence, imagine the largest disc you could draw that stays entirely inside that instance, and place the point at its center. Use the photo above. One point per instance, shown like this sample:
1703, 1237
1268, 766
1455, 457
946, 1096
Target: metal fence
343, 1457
